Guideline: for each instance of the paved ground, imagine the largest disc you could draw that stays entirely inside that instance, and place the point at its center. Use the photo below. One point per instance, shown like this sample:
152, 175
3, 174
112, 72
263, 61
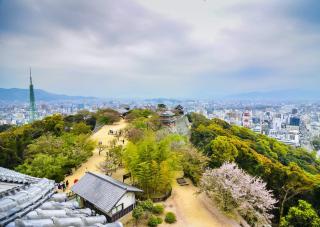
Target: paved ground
95, 159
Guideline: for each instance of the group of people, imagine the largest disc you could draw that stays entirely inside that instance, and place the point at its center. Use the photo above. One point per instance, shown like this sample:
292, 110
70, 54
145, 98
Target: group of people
116, 133
63, 185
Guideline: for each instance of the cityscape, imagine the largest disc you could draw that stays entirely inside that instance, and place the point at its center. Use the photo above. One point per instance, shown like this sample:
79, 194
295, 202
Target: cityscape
294, 124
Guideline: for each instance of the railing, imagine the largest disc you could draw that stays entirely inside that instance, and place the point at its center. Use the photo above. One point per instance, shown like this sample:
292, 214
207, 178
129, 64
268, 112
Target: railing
121, 213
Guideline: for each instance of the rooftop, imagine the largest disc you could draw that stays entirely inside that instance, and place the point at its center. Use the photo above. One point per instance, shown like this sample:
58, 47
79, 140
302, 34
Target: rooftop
101, 190
31, 201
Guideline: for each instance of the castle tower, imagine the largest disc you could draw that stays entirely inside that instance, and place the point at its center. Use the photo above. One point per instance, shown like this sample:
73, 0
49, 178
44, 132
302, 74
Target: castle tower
32, 101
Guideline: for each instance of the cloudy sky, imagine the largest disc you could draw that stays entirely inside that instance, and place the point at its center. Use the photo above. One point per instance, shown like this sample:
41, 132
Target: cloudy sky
160, 48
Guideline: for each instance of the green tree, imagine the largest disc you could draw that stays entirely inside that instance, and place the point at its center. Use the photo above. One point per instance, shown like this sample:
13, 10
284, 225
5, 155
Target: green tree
302, 215
193, 163
80, 128
107, 116
222, 150
152, 163
53, 156
316, 143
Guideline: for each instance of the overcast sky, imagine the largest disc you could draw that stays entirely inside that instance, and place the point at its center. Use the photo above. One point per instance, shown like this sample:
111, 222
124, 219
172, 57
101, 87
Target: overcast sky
160, 48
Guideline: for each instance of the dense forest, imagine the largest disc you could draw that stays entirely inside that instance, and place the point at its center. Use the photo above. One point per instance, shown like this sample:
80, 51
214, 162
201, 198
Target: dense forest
51, 147
291, 173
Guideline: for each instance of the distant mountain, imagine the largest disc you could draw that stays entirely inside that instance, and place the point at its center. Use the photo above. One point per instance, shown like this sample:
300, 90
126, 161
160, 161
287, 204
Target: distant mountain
22, 95
282, 95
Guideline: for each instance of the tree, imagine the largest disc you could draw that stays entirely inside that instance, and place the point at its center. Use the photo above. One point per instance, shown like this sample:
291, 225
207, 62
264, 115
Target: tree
162, 106
316, 143
112, 160
193, 163
80, 128
222, 150
302, 215
53, 156
107, 116
294, 183
139, 113
235, 190
152, 163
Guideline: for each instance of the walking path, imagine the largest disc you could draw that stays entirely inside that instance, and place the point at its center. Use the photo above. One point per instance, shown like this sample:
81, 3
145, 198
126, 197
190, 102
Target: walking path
91, 164
193, 209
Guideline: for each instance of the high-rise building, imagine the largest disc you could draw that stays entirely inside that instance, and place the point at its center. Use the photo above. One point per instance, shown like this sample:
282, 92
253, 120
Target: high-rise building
294, 111
295, 121
32, 101
246, 119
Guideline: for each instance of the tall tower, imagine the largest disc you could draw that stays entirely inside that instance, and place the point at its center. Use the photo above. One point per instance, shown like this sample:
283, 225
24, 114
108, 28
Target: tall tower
32, 101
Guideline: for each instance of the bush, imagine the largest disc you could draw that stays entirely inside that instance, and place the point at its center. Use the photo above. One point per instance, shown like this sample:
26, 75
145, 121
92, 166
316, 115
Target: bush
159, 220
147, 205
154, 221
170, 218
158, 209
137, 213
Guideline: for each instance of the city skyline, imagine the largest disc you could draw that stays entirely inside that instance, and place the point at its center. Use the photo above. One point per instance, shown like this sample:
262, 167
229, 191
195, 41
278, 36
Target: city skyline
176, 49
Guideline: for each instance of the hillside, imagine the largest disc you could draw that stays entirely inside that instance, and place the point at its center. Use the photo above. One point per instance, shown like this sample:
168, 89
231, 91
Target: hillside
291, 173
22, 95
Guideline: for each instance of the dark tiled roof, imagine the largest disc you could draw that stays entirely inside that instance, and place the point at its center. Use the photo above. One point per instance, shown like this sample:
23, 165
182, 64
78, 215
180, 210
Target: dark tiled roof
101, 190
31, 201
167, 113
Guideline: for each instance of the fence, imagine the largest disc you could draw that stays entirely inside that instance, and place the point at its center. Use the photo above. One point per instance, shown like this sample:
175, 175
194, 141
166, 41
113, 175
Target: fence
161, 198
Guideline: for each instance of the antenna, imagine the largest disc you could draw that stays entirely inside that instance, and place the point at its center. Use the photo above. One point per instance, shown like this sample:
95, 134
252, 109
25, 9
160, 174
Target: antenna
30, 76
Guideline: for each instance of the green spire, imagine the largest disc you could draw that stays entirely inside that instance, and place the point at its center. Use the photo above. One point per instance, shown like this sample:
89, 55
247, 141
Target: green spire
32, 101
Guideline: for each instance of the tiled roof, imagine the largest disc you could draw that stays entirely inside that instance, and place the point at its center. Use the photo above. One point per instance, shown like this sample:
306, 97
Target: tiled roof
31, 201
101, 190
167, 113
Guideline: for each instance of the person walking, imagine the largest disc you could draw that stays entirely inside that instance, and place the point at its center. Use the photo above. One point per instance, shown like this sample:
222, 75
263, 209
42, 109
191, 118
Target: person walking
67, 183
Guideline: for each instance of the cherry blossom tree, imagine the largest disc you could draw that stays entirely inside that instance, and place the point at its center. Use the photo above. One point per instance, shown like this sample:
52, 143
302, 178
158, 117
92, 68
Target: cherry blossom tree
235, 190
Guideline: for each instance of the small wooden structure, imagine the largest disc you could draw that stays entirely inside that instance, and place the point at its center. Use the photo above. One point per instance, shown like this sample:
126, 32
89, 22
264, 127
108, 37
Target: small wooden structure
106, 195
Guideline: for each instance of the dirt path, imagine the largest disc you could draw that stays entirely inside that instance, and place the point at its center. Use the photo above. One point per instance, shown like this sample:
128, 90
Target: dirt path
194, 210
91, 164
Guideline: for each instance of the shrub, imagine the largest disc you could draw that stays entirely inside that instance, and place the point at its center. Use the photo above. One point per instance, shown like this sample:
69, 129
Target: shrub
154, 221
170, 218
147, 205
158, 209
137, 213
159, 220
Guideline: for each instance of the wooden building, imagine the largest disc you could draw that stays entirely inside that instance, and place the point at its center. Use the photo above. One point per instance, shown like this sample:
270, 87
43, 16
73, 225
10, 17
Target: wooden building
106, 195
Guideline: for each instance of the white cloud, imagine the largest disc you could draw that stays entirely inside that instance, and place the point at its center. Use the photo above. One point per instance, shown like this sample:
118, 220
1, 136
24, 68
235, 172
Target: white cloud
157, 48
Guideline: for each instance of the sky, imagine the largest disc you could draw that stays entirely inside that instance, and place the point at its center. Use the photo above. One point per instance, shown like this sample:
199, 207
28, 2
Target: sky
160, 48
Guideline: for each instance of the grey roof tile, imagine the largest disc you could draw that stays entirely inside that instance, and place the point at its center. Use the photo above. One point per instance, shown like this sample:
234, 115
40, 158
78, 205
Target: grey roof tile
102, 191
27, 204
